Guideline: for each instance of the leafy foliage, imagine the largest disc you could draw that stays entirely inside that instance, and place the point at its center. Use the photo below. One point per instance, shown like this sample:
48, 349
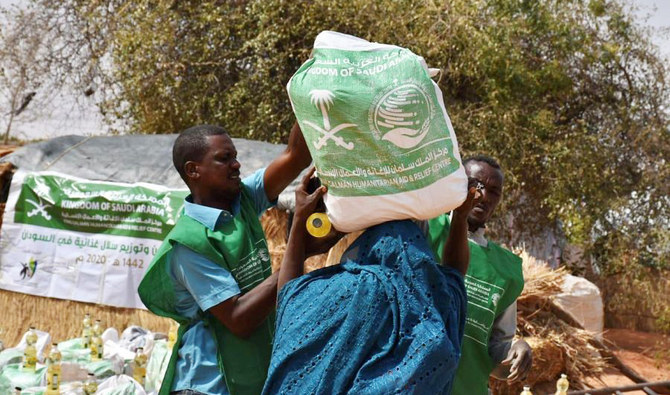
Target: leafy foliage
568, 95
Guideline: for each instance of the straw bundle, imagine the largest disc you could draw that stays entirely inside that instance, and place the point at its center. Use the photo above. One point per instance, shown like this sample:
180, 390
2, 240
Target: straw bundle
275, 226
548, 362
62, 318
7, 149
335, 253
581, 359
539, 279
557, 346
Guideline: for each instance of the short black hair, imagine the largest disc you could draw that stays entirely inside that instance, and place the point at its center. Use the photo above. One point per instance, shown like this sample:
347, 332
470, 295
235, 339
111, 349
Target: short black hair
483, 158
191, 145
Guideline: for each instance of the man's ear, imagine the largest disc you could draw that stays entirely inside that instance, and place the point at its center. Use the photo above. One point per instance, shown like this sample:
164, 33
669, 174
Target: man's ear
191, 169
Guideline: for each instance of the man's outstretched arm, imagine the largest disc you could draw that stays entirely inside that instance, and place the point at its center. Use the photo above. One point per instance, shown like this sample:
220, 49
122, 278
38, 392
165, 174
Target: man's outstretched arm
456, 251
288, 165
243, 313
300, 244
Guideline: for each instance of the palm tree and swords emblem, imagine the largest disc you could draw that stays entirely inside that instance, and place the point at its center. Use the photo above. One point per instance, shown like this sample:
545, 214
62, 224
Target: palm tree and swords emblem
40, 208
323, 99
404, 113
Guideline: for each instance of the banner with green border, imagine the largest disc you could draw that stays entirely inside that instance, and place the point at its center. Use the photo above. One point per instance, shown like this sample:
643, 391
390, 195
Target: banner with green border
82, 240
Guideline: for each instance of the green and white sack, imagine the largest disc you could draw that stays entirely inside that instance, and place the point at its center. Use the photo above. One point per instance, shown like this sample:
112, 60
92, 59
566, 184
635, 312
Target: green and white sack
378, 132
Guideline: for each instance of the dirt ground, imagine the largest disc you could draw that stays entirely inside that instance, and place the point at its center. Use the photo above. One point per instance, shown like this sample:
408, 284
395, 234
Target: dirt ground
648, 354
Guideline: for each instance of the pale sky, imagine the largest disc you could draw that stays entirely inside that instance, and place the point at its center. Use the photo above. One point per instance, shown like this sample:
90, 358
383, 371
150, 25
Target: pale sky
658, 14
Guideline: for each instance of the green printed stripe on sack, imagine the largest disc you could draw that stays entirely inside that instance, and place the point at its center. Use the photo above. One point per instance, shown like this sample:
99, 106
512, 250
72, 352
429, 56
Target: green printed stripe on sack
372, 121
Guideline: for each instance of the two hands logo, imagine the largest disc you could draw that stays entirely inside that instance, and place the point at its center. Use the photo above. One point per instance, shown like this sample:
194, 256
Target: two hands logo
28, 269
403, 115
495, 298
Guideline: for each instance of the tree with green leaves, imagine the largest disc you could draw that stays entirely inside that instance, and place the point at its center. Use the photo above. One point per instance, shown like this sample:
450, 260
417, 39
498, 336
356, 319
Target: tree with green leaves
570, 96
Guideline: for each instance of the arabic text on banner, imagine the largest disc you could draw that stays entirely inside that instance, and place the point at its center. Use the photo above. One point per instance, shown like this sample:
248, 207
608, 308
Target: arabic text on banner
89, 241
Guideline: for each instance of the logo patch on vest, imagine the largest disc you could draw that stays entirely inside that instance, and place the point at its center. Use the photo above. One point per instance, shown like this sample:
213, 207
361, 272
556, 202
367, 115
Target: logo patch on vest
494, 299
250, 271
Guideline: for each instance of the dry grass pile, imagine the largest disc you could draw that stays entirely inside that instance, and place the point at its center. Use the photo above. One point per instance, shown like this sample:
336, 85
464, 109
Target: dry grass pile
557, 346
581, 359
275, 224
62, 318
539, 279
335, 253
7, 149
547, 355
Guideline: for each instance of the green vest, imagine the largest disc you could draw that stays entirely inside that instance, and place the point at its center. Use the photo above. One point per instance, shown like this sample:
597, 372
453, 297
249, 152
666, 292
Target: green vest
238, 246
493, 282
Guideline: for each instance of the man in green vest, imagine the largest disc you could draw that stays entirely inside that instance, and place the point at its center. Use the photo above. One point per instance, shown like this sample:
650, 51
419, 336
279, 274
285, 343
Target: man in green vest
493, 282
212, 273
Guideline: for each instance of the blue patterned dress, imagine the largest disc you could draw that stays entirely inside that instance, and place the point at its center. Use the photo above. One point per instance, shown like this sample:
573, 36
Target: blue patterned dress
389, 319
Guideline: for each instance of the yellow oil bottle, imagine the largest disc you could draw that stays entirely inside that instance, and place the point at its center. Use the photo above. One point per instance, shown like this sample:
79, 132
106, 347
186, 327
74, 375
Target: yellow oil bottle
30, 353
140, 366
53, 371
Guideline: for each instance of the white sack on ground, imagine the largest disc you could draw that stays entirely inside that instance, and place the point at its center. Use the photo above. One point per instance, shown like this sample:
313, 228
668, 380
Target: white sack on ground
157, 365
120, 385
582, 300
110, 334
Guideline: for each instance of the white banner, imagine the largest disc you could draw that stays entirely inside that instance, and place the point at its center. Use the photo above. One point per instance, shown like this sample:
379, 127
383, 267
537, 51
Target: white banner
88, 241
